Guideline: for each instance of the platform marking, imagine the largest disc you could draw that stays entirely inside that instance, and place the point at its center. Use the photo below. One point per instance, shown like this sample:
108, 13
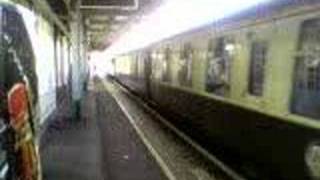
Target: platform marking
155, 154
215, 160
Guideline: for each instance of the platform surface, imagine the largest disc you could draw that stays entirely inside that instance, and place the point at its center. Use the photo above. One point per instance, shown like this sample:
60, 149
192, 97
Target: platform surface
102, 145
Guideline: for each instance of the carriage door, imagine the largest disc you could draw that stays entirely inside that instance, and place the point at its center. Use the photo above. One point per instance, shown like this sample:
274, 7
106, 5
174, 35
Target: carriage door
148, 73
306, 91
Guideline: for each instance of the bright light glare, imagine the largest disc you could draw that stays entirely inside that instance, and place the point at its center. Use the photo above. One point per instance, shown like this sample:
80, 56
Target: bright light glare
99, 65
176, 16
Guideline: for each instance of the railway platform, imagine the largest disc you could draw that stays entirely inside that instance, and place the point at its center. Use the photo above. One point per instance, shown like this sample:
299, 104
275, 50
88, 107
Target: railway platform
118, 138
99, 146
159, 90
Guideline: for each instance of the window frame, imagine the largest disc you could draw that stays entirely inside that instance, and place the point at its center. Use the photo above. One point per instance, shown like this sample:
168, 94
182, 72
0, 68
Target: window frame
223, 58
251, 88
185, 70
166, 74
304, 99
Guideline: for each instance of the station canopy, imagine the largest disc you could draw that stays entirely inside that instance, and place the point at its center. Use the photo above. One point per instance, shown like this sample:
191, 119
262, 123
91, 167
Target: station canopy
105, 20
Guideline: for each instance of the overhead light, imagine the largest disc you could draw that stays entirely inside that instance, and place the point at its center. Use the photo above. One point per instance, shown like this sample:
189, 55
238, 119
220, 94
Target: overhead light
97, 30
129, 7
97, 27
115, 27
100, 18
87, 22
89, 33
121, 18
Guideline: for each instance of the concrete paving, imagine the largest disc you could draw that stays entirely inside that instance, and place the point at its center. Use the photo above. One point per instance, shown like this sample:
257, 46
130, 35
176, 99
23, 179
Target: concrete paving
102, 145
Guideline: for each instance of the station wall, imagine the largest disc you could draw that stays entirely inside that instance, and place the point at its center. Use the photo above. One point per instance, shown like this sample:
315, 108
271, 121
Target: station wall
51, 64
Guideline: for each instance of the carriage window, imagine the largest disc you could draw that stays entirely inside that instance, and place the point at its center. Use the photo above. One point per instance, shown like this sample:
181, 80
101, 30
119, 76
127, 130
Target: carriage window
166, 63
219, 57
158, 65
258, 59
135, 66
141, 67
185, 71
306, 91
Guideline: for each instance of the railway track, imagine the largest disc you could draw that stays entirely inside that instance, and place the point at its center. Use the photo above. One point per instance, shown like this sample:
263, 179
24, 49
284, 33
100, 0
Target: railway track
189, 159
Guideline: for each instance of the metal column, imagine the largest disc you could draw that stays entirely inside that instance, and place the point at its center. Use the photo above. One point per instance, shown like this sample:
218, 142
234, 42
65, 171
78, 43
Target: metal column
79, 61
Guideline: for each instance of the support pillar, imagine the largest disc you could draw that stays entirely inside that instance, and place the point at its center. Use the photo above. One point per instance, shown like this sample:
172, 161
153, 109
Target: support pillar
78, 62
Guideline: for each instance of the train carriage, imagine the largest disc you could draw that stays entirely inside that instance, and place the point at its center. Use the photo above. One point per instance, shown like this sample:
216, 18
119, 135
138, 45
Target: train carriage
247, 88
